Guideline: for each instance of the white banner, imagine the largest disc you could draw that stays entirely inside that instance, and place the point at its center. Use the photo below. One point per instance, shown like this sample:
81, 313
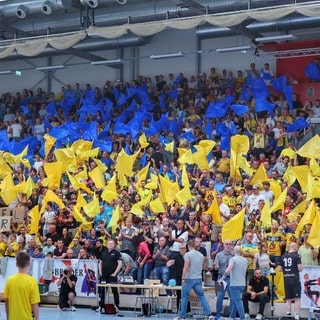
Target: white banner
86, 272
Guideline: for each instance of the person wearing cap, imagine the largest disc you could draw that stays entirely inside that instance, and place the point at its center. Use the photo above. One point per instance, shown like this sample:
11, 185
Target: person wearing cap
253, 200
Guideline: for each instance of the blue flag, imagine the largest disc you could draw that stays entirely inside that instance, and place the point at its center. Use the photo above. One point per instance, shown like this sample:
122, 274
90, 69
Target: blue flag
259, 89
312, 71
24, 110
279, 83
263, 105
208, 129
51, 108
67, 103
188, 136
173, 94
239, 109
288, 92
297, 125
216, 110
245, 95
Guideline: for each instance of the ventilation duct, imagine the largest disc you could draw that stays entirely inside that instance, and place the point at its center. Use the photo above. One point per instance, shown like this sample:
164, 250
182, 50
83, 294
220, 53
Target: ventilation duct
21, 8
22, 12
90, 3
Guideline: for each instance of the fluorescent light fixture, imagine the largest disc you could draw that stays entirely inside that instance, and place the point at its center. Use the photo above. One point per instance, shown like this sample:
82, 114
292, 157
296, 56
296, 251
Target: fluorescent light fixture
6, 72
282, 37
167, 55
107, 62
233, 49
60, 66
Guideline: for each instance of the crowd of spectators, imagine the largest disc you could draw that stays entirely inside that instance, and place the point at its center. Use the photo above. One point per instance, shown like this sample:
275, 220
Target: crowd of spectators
153, 239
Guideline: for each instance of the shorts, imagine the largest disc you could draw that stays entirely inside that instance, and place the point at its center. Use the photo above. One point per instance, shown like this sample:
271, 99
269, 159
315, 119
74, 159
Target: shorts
292, 289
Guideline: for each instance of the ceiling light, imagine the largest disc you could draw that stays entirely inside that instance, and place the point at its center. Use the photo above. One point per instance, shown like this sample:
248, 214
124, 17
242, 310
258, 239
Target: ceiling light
232, 49
107, 62
6, 72
167, 55
61, 66
282, 37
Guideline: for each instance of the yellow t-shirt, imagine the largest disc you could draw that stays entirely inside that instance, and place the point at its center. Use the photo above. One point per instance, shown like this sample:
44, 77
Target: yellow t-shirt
274, 240
252, 249
12, 249
3, 247
21, 291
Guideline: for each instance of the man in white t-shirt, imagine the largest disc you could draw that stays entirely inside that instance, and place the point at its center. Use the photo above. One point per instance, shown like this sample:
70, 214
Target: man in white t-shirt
253, 200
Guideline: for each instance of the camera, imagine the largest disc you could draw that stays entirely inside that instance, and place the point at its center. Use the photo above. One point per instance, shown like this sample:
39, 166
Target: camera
66, 271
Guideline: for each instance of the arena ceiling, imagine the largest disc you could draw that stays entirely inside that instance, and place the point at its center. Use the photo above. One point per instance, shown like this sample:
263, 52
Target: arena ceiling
23, 21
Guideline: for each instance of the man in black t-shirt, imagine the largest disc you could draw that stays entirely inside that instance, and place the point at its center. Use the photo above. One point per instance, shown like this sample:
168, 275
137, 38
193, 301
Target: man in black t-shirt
109, 267
67, 293
257, 291
291, 266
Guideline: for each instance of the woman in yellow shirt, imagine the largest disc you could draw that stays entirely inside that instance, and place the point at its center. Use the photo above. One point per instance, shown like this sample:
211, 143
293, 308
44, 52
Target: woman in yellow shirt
12, 246
3, 245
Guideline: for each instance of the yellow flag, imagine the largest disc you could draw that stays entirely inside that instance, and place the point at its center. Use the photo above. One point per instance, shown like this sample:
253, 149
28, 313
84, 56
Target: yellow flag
307, 218
12, 159
276, 189
89, 153
78, 216
68, 159
100, 164
98, 178
184, 176
184, 195
81, 145
168, 189
125, 163
48, 143
313, 187
153, 183
5, 169
314, 235
35, 217
266, 215
301, 173
81, 201
30, 185
92, 208
208, 145
301, 207
214, 211
169, 146
142, 174
311, 149
239, 146
6, 194
278, 204
232, 229
19, 188
288, 152
157, 206
53, 171
143, 141
279, 284
135, 209
200, 158
259, 176
290, 176
74, 182
186, 157
110, 191
114, 219
51, 196
82, 174
314, 167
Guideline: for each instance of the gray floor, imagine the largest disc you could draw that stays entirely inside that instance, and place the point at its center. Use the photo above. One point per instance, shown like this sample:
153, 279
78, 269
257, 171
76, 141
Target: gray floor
52, 313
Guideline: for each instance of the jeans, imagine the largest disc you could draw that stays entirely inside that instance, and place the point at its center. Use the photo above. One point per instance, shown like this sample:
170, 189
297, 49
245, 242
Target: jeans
196, 285
262, 299
144, 271
220, 297
162, 273
236, 301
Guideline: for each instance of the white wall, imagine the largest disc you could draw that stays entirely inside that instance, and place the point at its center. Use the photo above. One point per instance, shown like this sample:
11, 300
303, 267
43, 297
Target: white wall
136, 62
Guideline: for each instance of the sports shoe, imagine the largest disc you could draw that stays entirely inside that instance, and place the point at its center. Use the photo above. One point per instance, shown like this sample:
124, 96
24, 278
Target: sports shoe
210, 317
178, 318
73, 308
117, 309
98, 309
247, 316
259, 316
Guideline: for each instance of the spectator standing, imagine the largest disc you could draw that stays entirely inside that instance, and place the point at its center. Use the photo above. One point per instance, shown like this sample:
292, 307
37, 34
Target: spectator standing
192, 279
237, 269
221, 262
